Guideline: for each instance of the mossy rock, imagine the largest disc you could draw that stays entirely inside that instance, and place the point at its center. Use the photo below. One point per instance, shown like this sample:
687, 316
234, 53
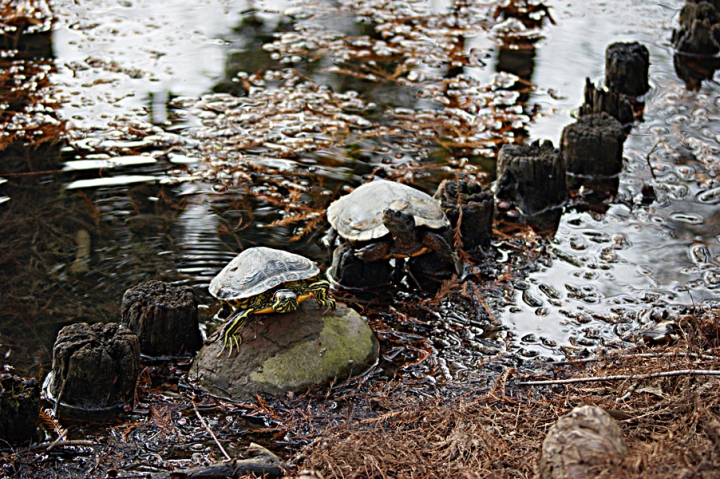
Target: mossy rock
289, 352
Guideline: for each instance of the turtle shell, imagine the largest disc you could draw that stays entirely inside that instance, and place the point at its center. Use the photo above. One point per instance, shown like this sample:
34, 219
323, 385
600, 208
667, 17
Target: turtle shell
260, 269
358, 216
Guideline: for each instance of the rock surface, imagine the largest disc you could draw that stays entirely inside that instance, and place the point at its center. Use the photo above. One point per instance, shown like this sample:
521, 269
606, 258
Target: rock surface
165, 318
289, 352
579, 441
94, 366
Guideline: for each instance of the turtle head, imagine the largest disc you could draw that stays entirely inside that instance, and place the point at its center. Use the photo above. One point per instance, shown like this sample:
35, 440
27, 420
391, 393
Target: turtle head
399, 222
284, 301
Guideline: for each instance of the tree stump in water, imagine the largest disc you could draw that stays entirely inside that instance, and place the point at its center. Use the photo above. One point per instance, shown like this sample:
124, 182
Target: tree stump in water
587, 437
351, 272
593, 145
697, 43
19, 408
626, 68
164, 317
696, 33
531, 176
471, 205
600, 100
95, 367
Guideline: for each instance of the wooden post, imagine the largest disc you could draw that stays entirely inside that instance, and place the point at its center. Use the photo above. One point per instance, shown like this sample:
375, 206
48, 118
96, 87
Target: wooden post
593, 145
165, 318
531, 176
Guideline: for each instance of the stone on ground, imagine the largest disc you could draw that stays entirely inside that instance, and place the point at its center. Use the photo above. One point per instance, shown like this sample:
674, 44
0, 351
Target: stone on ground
289, 352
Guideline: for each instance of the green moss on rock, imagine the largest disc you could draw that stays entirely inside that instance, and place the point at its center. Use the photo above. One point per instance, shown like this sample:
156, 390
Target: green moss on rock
290, 352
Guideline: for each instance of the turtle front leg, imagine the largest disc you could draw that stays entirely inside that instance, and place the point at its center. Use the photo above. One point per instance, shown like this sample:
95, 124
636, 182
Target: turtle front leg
374, 251
322, 295
231, 329
441, 247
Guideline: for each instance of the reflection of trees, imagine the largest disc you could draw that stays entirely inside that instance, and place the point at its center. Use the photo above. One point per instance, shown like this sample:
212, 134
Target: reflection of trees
65, 256
516, 36
246, 53
27, 119
402, 101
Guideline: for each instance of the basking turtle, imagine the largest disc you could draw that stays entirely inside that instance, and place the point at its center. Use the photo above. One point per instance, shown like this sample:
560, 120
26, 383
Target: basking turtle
264, 280
397, 219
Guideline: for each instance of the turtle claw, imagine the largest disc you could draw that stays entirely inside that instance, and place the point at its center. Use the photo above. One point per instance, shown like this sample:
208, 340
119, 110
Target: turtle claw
234, 340
327, 303
231, 341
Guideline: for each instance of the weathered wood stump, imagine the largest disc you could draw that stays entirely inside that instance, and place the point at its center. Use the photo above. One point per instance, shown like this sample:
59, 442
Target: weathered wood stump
471, 205
593, 145
95, 367
600, 100
588, 437
19, 408
164, 317
351, 272
697, 43
701, 17
626, 68
531, 176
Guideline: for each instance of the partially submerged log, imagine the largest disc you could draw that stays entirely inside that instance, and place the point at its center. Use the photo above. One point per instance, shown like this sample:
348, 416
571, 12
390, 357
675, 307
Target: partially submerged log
588, 437
626, 68
19, 408
164, 317
531, 176
593, 145
95, 368
699, 31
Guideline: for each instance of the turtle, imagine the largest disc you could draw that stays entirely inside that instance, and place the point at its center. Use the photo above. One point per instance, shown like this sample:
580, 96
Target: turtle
399, 222
263, 280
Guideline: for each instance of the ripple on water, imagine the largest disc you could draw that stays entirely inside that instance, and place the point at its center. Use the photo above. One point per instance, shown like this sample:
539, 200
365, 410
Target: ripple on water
711, 279
709, 197
688, 218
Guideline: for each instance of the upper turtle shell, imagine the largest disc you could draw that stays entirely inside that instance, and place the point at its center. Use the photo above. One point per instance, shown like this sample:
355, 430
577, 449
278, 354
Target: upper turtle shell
358, 216
260, 269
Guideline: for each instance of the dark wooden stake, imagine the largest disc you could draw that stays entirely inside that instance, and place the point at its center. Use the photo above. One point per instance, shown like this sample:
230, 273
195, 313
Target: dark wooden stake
626, 68
531, 176
593, 145
164, 317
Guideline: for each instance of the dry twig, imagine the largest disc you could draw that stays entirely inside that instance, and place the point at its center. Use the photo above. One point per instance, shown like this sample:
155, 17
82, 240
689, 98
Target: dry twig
207, 428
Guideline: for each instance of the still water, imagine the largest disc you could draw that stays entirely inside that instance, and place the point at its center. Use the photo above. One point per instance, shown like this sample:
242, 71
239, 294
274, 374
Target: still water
152, 206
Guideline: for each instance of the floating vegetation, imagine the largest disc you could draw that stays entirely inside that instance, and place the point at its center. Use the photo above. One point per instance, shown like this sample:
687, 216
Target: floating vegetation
27, 104
300, 133
27, 101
